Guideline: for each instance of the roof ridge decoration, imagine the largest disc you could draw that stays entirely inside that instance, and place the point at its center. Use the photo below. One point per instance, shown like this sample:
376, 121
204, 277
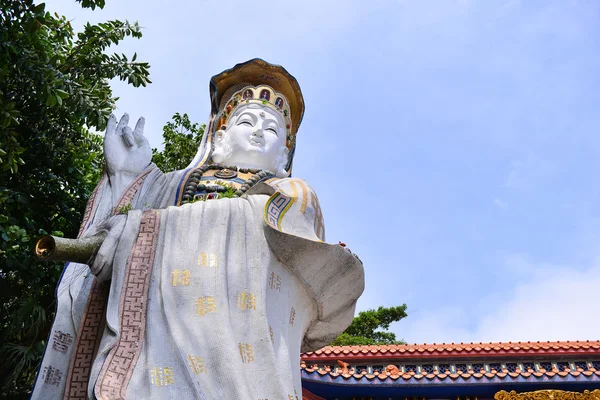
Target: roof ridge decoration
451, 372
450, 349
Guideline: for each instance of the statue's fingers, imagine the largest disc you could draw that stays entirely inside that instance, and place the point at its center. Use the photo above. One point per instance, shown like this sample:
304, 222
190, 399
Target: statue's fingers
138, 132
111, 125
122, 123
128, 137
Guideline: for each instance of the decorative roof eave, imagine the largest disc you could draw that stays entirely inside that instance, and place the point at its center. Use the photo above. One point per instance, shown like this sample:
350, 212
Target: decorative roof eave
452, 350
447, 379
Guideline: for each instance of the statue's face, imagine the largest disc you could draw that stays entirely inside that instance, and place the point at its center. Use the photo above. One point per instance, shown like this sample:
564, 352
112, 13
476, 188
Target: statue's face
255, 137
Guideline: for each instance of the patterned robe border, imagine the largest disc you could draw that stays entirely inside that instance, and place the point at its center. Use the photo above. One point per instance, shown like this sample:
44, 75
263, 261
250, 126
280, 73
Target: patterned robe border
90, 206
276, 208
88, 340
130, 192
93, 321
118, 367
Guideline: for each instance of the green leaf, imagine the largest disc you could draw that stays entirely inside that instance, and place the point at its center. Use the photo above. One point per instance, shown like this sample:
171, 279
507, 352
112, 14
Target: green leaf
51, 100
366, 327
39, 9
62, 94
58, 83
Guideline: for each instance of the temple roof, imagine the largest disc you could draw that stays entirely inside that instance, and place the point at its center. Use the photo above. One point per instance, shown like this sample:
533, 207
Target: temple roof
454, 350
459, 365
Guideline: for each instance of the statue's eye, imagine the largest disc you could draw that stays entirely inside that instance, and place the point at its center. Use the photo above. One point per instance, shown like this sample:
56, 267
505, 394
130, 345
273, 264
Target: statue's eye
245, 123
272, 130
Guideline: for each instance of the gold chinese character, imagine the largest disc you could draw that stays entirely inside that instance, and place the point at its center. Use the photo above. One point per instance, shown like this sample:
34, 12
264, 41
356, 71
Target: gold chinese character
162, 376
246, 352
208, 260
197, 364
205, 305
292, 316
271, 334
246, 301
180, 277
274, 281
168, 372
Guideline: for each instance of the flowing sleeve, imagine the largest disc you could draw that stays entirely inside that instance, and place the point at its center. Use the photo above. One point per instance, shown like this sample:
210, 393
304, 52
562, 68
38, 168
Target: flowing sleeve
100, 204
333, 275
151, 189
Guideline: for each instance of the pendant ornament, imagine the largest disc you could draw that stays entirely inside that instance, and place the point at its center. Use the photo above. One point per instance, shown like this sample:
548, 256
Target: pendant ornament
226, 173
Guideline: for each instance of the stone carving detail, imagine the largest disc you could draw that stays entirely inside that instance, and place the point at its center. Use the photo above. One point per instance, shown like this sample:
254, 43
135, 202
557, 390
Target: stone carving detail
51, 376
548, 395
130, 192
90, 206
61, 341
87, 342
92, 322
120, 362
250, 143
277, 207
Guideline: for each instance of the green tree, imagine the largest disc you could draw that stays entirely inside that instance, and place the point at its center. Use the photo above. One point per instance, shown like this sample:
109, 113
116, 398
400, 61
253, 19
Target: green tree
181, 140
54, 87
371, 327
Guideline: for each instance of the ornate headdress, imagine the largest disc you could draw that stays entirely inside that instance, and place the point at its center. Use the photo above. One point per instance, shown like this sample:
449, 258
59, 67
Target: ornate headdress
269, 85
253, 82
263, 95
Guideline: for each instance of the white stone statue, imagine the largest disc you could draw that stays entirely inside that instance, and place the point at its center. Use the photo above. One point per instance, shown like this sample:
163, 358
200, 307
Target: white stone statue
211, 280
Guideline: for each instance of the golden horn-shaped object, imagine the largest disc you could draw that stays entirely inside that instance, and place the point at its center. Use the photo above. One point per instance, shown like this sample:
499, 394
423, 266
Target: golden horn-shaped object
53, 248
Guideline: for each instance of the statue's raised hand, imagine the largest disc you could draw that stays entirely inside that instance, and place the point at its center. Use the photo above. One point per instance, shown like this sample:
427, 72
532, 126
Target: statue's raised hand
127, 152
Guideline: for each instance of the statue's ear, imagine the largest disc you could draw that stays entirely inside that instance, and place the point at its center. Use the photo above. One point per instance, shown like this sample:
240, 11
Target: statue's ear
221, 150
219, 135
282, 161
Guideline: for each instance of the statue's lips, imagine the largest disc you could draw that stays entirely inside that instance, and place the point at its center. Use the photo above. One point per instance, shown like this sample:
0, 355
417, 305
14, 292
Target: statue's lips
258, 142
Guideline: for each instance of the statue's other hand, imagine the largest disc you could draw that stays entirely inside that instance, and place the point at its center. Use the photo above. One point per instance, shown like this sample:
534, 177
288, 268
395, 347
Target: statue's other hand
126, 151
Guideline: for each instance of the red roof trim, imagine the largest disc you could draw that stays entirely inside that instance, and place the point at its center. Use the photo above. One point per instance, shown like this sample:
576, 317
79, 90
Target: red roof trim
452, 350
306, 395
447, 375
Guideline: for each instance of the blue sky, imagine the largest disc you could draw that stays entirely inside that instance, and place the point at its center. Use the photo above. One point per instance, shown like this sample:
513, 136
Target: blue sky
453, 143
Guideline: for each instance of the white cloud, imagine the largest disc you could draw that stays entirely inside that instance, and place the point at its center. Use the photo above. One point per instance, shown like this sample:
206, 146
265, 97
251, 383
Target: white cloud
499, 202
558, 304
528, 173
445, 324
549, 303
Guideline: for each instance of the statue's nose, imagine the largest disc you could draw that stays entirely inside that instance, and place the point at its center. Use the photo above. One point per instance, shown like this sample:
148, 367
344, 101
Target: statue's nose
258, 133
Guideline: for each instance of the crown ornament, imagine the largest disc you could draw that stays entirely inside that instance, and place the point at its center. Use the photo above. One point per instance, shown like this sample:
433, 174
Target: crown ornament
262, 95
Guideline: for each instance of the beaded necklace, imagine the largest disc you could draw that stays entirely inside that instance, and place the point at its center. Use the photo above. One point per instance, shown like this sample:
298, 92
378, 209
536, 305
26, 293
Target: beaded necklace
195, 190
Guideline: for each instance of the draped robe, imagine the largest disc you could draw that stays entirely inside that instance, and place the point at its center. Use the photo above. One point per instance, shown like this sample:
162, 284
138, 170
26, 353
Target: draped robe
211, 300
